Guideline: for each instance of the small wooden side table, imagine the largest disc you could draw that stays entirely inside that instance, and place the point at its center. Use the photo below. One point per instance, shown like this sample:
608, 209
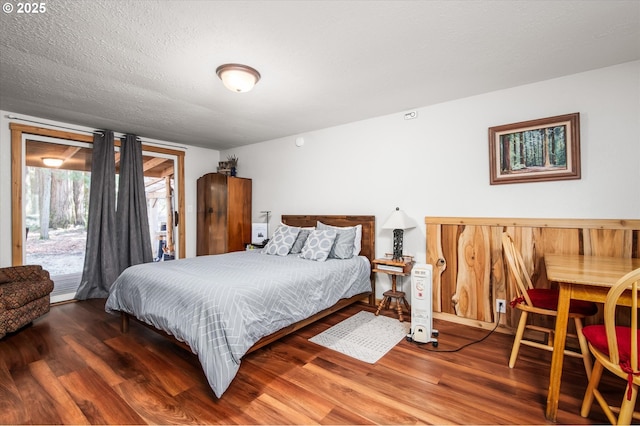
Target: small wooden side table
394, 268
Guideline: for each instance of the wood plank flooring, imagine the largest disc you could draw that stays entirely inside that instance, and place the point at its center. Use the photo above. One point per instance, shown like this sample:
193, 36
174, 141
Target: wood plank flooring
73, 366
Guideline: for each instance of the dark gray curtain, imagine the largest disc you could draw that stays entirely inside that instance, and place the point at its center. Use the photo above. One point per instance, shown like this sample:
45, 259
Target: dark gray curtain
101, 258
132, 222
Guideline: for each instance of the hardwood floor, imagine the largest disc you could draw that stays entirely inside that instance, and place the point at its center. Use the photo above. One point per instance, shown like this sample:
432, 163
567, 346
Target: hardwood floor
73, 366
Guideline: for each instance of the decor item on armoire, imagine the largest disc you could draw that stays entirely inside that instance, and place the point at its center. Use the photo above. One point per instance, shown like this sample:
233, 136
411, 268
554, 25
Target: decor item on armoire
229, 167
223, 214
398, 221
24, 296
237, 77
536, 150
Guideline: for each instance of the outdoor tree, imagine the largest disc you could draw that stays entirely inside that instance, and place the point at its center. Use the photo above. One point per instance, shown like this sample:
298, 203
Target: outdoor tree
44, 194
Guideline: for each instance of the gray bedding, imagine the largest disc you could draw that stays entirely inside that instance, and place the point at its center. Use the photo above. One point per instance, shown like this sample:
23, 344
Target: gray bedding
221, 305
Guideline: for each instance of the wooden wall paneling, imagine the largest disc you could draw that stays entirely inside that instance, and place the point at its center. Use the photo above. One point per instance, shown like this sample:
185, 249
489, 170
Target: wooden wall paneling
513, 315
560, 240
608, 242
498, 273
473, 285
449, 276
435, 257
470, 272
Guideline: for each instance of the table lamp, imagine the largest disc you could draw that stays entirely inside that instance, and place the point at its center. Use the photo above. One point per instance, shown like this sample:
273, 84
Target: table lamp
398, 221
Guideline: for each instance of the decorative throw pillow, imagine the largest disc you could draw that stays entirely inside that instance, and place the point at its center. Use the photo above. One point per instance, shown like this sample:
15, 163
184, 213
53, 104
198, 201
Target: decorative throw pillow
300, 240
346, 240
318, 245
282, 240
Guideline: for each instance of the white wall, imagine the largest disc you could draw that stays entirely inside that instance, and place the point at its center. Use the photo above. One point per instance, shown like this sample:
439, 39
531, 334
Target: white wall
435, 165
198, 161
438, 164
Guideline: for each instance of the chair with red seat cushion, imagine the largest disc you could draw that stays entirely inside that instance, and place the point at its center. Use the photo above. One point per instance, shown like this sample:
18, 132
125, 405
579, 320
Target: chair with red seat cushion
615, 348
542, 302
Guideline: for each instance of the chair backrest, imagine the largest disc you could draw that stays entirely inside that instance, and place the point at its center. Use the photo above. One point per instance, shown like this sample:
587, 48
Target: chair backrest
517, 267
628, 283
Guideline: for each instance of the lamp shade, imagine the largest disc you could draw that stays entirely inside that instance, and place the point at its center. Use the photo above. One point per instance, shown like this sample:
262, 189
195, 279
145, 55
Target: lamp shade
237, 77
399, 220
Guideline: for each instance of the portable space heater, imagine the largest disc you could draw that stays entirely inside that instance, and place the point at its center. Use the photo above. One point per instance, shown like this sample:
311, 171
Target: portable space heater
422, 304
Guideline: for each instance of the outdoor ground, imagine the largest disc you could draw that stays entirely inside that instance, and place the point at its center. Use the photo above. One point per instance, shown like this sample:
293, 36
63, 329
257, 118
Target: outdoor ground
62, 253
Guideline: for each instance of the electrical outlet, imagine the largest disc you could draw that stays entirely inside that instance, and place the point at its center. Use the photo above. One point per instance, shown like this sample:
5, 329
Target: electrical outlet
501, 306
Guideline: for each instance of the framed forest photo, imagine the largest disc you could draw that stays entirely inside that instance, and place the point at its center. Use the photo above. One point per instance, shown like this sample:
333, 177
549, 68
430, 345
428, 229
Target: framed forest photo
534, 151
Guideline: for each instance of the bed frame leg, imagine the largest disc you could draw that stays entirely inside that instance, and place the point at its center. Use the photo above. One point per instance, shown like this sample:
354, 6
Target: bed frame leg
124, 324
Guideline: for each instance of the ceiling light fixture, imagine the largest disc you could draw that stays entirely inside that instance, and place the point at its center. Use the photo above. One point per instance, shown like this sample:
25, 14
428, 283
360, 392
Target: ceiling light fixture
52, 162
238, 78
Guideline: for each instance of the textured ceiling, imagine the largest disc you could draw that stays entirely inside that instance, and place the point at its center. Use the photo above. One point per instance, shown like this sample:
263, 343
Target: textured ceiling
148, 67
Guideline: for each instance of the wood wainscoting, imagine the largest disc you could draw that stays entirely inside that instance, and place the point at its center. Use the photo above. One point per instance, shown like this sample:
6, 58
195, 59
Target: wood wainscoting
469, 272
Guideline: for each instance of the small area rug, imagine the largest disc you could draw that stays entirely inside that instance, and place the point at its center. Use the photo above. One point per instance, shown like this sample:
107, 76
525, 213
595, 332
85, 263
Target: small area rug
363, 336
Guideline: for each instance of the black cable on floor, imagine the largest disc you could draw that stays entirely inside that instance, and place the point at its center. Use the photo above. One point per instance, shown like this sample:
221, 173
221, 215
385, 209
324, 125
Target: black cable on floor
410, 339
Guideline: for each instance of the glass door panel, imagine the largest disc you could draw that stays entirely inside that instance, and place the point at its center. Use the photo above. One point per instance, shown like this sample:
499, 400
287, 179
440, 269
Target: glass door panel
56, 196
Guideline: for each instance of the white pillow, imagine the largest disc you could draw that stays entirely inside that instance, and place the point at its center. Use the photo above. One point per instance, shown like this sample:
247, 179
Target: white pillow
357, 243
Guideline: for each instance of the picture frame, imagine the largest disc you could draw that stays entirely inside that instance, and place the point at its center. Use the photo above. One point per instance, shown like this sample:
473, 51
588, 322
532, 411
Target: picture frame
545, 149
259, 233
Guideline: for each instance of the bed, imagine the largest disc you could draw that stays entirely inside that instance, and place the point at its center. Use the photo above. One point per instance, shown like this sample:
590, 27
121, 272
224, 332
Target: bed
222, 307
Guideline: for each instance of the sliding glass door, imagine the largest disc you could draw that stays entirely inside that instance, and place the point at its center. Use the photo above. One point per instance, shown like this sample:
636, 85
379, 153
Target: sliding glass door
56, 197
56, 176
160, 183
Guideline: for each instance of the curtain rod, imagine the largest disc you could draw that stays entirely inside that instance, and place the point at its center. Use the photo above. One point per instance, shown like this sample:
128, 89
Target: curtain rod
94, 132
13, 117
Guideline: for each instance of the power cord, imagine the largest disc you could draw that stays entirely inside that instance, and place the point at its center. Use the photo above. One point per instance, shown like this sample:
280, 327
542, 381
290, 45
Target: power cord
410, 339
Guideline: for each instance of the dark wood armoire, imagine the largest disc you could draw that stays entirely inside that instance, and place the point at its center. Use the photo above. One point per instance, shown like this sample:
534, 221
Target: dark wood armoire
223, 214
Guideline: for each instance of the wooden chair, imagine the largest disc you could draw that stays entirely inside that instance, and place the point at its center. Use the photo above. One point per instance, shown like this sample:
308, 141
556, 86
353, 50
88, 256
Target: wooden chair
542, 302
615, 348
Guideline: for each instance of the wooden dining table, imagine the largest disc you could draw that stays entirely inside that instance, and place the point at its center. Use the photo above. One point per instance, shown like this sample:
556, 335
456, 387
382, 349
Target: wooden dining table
583, 278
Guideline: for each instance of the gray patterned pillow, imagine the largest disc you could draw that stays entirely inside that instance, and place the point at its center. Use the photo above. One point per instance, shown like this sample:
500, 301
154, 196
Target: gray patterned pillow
282, 240
300, 240
343, 247
318, 245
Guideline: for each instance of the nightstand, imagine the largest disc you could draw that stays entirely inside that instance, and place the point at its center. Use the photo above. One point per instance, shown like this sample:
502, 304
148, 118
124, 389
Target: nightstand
395, 269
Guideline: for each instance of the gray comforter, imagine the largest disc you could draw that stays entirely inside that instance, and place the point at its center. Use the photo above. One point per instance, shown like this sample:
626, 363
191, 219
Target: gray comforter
221, 305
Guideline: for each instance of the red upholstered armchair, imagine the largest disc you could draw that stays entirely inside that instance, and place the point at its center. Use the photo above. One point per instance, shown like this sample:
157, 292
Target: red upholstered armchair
24, 296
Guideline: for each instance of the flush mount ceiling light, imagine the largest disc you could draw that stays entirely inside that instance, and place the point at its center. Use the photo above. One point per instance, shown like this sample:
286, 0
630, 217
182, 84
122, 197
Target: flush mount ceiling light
53, 162
237, 77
